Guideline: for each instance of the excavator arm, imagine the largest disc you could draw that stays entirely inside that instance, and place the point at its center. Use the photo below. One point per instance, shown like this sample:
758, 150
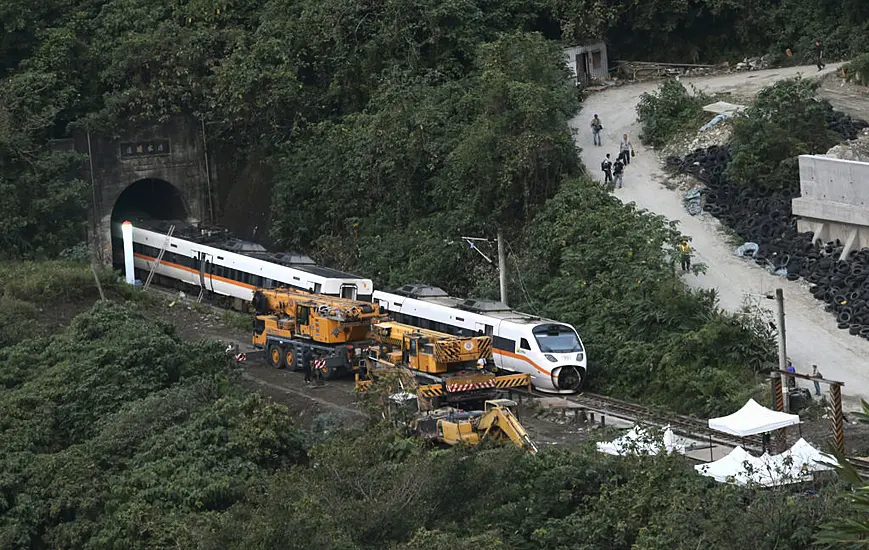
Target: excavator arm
499, 422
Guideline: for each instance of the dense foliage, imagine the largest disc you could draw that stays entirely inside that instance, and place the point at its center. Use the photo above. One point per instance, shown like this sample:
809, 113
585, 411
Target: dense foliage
857, 70
599, 264
274, 79
114, 434
783, 122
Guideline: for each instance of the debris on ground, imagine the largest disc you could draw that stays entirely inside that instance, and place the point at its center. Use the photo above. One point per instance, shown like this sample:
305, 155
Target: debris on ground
747, 248
694, 200
712, 123
717, 134
857, 149
754, 63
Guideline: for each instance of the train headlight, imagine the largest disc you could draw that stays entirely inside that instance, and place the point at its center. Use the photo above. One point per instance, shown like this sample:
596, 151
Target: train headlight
580, 356
551, 358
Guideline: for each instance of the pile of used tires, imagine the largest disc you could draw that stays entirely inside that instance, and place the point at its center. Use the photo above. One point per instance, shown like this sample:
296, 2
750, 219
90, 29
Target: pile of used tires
844, 125
763, 216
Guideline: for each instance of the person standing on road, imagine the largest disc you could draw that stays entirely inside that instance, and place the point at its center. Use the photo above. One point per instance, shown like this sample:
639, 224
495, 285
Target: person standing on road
626, 150
819, 55
607, 167
816, 374
792, 380
596, 127
685, 251
765, 440
618, 169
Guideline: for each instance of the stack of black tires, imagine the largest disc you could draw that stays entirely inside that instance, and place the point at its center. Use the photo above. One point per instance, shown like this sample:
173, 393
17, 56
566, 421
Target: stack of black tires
764, 216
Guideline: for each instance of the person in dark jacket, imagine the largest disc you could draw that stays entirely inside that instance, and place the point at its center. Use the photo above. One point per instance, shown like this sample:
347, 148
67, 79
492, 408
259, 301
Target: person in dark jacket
306, 365
819, 55
606, 167
618, 171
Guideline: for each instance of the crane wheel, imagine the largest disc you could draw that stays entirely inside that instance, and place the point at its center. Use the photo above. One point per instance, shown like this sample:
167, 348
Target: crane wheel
275, 356
289, 358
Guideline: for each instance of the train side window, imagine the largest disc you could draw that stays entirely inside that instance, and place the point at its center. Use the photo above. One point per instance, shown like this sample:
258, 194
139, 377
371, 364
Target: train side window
523, 344
504, 344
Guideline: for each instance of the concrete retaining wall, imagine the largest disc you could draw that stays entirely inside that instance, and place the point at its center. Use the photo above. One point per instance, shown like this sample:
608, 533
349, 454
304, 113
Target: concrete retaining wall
835, 200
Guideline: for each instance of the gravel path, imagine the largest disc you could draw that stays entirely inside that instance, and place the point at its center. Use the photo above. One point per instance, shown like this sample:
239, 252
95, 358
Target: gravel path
812, 335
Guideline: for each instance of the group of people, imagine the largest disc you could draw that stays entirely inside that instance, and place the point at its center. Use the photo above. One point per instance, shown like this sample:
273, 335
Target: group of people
613, 171
792, 381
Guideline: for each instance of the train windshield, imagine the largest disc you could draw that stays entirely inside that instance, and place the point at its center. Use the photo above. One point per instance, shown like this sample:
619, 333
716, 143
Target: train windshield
557, 339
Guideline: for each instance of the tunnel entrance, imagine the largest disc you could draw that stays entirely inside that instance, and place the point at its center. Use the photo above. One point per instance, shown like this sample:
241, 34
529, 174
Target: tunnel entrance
150, 199
144, 200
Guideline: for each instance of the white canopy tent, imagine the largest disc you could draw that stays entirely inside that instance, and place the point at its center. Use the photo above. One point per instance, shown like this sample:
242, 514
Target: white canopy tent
733, 468
792, 466
641, 441
804, 458
752, 419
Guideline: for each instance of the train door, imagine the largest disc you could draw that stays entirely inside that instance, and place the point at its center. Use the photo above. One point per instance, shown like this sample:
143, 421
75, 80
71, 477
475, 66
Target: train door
348, 291
206, 267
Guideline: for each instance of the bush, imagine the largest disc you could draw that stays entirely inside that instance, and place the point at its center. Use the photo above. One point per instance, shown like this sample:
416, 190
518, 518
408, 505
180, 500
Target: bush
785, 121
17, 321
670, 111
858, 70
116, 424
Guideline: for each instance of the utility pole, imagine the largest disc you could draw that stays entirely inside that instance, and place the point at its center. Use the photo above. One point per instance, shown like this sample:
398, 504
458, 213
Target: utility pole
782, 346
502, 268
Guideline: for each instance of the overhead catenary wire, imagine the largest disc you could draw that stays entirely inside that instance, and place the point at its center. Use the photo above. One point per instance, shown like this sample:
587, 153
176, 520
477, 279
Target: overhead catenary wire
519, 276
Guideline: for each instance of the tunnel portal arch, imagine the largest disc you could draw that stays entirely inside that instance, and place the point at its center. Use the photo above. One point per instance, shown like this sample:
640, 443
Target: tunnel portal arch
145, 199
150, 198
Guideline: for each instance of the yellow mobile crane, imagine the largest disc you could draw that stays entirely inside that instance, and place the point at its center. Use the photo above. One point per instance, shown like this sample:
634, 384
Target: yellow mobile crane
295, 327
442, 367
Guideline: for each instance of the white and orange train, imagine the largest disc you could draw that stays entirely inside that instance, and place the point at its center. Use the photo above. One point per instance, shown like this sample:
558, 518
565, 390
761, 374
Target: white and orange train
550, 351
210, 259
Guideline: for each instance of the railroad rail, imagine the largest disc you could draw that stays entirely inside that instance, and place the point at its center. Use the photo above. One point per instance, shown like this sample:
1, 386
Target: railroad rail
685, 426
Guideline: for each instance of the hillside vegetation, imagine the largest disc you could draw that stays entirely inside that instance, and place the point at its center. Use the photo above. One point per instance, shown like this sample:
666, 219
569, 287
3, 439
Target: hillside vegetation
116, 434
391, 130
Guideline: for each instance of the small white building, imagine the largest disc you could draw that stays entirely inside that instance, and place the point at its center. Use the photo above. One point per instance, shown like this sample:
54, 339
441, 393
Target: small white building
587, 62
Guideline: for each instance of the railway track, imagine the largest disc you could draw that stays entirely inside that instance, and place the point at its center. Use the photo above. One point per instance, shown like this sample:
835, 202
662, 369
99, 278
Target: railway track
682, 425
685, 426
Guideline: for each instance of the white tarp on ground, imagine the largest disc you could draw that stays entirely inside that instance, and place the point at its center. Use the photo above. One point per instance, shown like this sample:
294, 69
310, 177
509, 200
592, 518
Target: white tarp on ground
792, 466
753, 419
641, 441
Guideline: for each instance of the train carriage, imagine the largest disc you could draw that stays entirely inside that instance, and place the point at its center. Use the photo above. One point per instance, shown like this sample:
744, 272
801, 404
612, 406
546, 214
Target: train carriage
210, 259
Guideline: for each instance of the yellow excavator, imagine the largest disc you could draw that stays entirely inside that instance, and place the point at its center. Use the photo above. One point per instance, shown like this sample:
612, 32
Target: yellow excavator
438, 368
452, 427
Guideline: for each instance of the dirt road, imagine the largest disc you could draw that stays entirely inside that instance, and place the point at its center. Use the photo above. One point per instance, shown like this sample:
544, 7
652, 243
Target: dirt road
812, 335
